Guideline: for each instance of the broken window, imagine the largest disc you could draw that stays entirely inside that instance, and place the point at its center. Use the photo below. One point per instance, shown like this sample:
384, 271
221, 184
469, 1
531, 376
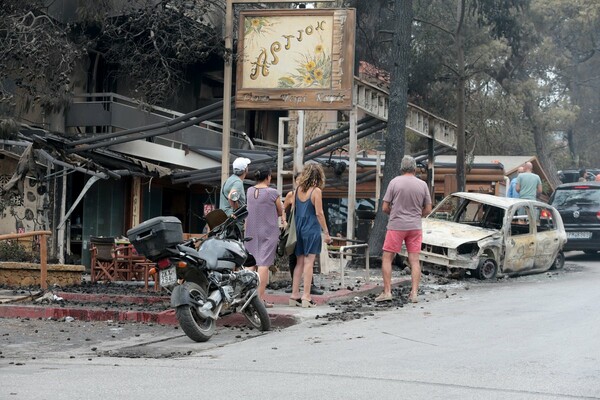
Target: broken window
520, 221
543, 219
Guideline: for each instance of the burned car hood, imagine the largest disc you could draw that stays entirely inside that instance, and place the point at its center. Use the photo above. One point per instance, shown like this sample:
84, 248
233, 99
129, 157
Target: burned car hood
452, 234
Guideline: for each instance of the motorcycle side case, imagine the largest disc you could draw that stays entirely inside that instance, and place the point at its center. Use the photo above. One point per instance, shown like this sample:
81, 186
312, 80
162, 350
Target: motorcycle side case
153, 236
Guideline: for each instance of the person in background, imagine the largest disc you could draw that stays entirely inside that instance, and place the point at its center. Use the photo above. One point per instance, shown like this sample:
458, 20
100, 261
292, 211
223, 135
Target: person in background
583, 175
529, 185
288, 203
262, 225
310, 220
406, 201
232, 192
512, 187
597, 179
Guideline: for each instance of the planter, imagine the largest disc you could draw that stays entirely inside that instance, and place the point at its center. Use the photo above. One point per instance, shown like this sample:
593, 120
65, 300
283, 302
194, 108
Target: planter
24, 274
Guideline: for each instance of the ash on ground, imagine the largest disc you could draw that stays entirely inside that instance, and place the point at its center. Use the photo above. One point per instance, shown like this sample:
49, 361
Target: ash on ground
366, 306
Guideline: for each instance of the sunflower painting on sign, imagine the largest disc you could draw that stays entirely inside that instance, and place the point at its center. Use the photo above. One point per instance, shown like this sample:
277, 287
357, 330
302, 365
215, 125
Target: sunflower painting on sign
313, 70
295, 60
256, 26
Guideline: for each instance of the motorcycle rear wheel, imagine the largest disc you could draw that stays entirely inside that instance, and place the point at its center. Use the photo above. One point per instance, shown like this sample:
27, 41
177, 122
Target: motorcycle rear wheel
193, 325
257, 315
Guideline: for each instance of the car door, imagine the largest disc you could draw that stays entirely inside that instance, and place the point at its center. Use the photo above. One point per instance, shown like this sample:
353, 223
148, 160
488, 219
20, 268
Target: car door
519, 240
548, 241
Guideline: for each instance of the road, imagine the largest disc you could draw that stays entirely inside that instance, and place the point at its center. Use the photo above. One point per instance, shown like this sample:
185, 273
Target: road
533, 337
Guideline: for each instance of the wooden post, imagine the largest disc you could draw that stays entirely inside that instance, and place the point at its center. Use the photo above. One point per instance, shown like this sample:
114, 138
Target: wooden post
136, 201
378, 177
431, 163
61, 231
43, 262
352, 148
299, 150
227, 82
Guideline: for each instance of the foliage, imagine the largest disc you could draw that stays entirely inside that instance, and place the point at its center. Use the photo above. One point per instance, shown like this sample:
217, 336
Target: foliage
151, 43
572, 31
147, 44
13, 251
312, 71
36, 53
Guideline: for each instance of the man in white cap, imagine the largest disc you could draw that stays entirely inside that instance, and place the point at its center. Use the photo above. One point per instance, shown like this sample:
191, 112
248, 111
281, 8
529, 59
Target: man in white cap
233, 194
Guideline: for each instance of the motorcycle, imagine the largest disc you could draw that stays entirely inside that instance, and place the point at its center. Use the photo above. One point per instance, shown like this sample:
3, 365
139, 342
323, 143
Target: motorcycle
209, 282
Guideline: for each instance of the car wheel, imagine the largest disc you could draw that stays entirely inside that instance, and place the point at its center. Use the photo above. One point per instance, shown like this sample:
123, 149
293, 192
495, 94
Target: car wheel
487, 269
559, 262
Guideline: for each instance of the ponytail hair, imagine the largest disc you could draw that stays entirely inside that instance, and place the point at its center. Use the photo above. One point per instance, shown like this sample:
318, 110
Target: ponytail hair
262, 174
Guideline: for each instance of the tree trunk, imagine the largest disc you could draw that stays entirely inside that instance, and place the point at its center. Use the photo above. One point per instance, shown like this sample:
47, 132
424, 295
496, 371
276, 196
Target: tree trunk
530, 109
460, 100
398, 102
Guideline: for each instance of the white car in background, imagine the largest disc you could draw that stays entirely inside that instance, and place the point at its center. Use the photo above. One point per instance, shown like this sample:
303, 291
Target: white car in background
491, 236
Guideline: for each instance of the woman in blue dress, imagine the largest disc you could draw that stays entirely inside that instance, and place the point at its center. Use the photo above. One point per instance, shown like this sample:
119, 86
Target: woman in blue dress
310, 220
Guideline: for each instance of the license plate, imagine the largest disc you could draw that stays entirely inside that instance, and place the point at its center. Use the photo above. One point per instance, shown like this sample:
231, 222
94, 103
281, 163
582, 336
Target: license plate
167, 276
579, 235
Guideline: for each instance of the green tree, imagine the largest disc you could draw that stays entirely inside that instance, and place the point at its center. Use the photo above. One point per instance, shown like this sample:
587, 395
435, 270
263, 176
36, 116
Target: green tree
471, 36
573, 31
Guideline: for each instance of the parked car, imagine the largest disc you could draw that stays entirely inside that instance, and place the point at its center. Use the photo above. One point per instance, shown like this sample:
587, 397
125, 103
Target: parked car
579, 207
491, 236
573, 175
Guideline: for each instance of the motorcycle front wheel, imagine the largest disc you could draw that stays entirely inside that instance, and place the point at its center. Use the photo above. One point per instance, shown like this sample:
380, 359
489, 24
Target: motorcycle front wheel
257, 315
195, 327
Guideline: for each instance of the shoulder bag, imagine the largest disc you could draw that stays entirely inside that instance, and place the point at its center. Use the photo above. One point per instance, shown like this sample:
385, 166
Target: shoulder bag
290, 244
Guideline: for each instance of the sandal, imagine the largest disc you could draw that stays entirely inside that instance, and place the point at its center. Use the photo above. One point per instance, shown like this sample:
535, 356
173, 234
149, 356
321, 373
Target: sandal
413, 299
295, 302
308, 303
383, 297
268, 305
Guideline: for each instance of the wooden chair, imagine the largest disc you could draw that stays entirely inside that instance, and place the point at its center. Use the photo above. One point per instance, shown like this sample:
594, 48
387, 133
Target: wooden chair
102, 259
131, 266
123, 262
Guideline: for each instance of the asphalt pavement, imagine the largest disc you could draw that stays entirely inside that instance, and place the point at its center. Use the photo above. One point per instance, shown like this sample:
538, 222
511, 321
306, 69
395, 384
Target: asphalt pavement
532, 337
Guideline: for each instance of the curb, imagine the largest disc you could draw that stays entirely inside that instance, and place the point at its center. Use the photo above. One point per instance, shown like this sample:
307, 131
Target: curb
278, 320
283, 317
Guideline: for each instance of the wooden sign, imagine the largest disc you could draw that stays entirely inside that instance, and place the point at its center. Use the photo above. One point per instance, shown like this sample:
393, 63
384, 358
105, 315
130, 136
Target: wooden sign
295, 59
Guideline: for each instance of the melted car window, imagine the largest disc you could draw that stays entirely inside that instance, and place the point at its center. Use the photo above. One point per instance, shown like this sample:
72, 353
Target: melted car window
519, 224
543, 219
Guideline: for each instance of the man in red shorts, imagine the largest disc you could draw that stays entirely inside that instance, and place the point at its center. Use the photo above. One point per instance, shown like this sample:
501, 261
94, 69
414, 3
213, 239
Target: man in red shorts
406, 201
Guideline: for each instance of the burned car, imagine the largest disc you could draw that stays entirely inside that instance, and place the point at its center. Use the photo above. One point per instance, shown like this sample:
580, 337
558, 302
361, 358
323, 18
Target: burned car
490, 235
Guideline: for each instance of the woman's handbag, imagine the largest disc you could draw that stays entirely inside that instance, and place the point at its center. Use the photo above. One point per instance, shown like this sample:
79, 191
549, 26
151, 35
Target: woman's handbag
290, 245
283, 236
287, 238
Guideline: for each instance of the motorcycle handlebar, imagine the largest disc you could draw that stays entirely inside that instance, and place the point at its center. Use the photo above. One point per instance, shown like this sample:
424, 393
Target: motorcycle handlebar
240, 212
222, 229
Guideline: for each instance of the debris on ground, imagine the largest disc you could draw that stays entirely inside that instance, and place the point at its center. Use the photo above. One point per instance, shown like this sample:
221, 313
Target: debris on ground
49, 298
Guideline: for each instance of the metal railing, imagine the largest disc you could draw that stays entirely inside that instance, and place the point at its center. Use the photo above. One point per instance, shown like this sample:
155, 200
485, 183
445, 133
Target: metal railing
343, 253
107, 99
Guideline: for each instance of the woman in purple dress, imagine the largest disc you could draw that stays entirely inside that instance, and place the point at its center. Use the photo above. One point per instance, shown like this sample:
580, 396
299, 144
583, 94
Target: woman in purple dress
262, 225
